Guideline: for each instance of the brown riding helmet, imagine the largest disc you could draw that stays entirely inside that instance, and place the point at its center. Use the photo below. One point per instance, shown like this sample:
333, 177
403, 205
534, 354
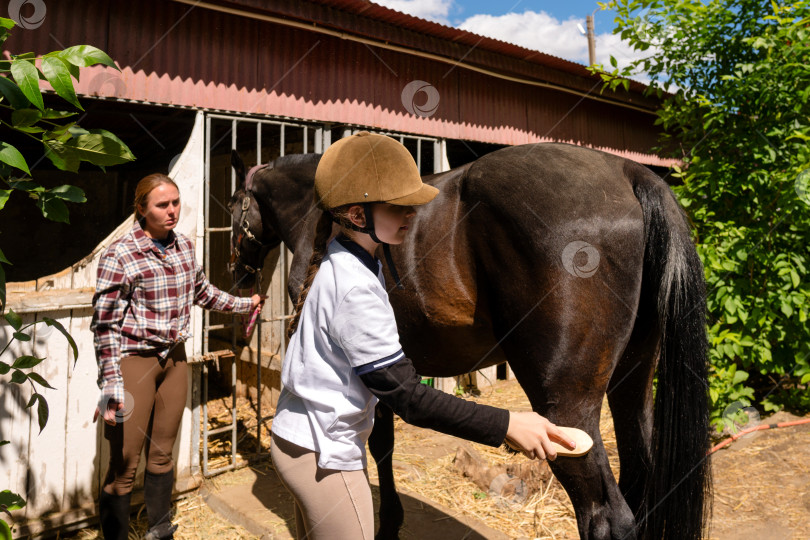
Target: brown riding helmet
367, 168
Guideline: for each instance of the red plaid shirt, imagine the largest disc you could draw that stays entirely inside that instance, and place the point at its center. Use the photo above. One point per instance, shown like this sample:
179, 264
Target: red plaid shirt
143, 302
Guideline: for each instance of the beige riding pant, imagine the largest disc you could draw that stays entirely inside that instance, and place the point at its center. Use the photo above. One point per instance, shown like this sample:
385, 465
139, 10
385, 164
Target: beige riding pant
158, 389
329, 504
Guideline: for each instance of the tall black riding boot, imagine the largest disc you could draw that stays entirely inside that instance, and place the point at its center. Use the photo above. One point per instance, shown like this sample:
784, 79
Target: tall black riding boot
157, 496
113, 513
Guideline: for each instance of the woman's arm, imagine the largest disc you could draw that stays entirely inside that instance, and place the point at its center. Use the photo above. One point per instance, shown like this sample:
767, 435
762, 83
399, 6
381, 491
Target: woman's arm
365, 329
109, 303
208, 296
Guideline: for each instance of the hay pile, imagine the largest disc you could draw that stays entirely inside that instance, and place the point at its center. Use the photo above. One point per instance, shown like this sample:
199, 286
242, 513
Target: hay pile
219, 446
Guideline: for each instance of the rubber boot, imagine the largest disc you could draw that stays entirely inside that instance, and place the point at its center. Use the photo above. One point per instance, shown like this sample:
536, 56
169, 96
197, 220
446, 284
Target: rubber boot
157, 496
113, 513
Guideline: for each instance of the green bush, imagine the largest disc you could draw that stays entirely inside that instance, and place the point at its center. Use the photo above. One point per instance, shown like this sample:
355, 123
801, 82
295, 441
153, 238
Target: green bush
735, 82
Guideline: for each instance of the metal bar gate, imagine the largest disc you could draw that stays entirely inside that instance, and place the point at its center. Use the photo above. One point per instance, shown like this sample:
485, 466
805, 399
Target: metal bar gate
273, 138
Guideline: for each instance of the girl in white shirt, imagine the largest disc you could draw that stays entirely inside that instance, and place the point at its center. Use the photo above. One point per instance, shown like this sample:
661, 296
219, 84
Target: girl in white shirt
344, 353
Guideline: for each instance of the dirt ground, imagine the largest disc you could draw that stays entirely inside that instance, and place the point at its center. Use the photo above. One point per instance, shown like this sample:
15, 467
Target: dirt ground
761, 481
761, 488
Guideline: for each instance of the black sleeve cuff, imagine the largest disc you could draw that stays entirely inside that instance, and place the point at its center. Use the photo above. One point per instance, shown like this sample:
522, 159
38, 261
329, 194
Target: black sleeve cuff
399, 387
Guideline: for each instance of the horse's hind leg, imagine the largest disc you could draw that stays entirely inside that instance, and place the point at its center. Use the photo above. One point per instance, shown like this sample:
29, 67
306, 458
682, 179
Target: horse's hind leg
630, 397
565, 398
381, 446
562, 396
563, 350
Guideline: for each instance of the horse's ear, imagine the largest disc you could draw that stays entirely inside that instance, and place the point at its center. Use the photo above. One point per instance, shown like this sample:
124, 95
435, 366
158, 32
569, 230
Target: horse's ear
239, 166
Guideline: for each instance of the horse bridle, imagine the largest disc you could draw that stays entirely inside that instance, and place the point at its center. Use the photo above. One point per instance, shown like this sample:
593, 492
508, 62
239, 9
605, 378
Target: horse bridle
244, 225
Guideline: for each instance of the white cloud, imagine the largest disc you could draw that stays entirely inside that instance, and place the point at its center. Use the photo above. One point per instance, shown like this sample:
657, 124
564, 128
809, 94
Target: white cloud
537, 31
432, 10
544, 33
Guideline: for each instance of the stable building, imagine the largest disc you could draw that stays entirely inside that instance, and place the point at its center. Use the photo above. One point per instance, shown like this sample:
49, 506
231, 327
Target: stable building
267, 78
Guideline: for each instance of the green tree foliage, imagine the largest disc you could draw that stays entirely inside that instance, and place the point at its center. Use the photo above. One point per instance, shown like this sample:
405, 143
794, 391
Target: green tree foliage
734, 76
63, 141
65, 144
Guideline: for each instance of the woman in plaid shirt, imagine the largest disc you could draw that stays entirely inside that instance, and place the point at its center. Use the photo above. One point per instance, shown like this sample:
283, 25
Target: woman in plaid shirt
147, 283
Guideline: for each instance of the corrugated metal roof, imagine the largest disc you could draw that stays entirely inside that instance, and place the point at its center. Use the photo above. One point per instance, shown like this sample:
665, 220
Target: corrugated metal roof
267, 67
456, 43
417, 24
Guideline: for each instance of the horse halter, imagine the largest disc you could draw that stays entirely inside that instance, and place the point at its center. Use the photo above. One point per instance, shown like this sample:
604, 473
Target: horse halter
244, 225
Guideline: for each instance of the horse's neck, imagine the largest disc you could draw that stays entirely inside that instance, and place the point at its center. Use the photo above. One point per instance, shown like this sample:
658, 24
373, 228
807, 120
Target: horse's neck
298, 228
288, 189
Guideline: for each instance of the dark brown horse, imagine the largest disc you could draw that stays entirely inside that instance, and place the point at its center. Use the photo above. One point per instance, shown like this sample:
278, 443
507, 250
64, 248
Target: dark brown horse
576, 267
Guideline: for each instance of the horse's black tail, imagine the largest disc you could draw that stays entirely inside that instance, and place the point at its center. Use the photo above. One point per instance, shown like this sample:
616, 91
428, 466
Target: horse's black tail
678, 491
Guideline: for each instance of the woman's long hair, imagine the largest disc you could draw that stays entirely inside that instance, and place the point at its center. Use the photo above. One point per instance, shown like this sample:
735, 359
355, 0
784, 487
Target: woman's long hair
323, 231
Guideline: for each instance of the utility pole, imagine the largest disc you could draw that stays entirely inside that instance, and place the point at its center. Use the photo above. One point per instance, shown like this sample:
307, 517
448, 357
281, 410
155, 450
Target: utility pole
591, 40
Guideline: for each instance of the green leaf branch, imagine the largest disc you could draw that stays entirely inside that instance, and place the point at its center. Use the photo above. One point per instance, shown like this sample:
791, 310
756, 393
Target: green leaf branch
24, 363
64, 142
735, 110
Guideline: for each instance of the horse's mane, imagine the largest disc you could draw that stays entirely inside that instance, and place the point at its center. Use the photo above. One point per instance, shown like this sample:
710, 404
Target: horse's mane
294, 160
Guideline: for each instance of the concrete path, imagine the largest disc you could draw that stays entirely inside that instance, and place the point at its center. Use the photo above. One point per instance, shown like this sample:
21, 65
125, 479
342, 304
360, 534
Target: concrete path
254, 498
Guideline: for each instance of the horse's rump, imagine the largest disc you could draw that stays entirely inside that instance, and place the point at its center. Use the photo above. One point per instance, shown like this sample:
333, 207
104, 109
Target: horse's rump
541, 230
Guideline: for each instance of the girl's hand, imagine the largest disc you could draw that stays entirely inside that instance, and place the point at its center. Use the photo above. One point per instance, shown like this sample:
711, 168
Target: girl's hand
109, 413
258, 300
533, 434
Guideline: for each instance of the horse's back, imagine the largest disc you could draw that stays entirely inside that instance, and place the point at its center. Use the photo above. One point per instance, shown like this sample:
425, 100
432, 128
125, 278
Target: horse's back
555, 182
516, 227
544, 196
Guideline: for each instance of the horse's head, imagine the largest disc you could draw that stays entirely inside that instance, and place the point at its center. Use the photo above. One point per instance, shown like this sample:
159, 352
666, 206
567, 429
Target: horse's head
252, 237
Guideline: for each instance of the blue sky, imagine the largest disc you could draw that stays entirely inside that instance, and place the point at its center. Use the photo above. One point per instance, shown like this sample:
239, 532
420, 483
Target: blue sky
561, 10
544, 25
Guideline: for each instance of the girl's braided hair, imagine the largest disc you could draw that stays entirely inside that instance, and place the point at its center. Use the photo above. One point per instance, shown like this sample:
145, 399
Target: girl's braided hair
323, 231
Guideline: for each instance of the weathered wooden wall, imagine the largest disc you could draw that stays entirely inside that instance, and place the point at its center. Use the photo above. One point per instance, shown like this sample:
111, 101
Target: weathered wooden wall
59, 470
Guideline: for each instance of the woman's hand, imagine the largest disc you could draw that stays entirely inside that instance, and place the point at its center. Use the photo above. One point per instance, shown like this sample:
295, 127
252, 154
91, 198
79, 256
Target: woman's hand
109, 412
533, 434
258, 300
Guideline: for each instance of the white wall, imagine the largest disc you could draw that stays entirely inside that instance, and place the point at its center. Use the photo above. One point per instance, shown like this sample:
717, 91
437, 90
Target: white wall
59, 470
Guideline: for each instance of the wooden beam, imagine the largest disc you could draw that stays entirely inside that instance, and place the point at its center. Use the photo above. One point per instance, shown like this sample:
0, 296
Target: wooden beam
51, 300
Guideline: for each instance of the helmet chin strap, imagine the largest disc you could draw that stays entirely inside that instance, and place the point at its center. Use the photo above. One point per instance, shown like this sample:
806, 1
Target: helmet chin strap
369, 230
367, 210
386, 247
